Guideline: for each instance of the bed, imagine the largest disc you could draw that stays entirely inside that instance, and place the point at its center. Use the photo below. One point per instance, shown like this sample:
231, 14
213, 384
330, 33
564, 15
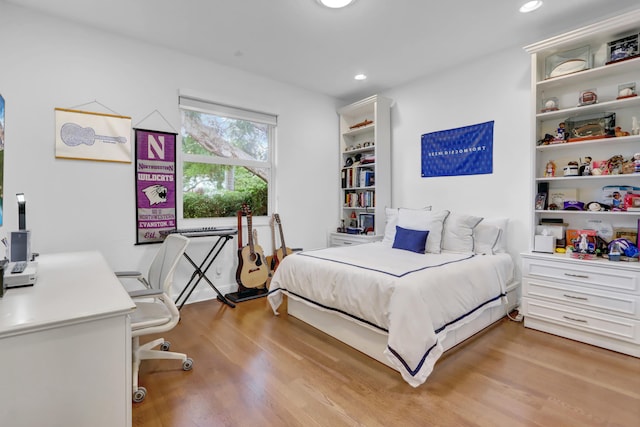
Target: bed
404, 306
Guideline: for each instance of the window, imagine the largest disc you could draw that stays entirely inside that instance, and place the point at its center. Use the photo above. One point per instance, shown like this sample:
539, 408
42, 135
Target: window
226, 159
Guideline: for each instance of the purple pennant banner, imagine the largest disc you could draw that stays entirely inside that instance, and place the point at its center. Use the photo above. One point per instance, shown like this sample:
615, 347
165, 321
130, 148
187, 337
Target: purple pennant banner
155, 185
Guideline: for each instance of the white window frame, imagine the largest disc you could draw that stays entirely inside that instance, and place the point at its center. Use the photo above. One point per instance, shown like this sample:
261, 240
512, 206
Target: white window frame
199, 104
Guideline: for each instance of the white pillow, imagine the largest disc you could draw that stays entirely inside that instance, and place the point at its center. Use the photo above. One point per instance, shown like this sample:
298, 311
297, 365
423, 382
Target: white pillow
485, 238
413, 219
501, 223
391, 220
458, 232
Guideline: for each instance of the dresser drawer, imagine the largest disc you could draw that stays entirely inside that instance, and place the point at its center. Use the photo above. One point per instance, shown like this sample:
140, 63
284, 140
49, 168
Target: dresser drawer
576, 318
342, 239
615, 303
597, 274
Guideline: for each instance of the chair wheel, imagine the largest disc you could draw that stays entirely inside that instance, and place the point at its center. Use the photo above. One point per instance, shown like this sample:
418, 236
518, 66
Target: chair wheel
139, 394
165, 346
187, 365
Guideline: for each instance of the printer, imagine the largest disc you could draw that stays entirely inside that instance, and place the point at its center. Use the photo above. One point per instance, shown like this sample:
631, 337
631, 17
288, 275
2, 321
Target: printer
27, 277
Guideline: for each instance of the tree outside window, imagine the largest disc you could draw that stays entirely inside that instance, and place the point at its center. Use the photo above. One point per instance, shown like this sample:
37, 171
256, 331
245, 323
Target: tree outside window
226, 162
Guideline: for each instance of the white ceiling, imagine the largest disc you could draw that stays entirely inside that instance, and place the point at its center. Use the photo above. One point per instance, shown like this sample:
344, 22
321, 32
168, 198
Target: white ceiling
301, 43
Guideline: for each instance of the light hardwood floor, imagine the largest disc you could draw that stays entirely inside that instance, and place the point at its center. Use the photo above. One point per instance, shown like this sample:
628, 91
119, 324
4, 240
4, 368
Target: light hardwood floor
252, 368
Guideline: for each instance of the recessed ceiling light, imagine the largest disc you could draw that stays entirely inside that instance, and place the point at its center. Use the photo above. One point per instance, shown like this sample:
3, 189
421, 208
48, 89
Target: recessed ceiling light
530, 6
335, 4
360, 77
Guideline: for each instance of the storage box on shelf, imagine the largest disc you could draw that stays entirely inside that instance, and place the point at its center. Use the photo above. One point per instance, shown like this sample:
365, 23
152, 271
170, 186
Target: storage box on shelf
595, 300
365, 170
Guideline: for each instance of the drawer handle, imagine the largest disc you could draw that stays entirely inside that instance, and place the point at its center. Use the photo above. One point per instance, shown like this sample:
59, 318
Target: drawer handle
575, 297
575, 320
581, 276
346, 243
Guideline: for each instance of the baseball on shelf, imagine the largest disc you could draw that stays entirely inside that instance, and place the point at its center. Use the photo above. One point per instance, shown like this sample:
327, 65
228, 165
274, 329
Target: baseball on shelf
627, 91
550, 104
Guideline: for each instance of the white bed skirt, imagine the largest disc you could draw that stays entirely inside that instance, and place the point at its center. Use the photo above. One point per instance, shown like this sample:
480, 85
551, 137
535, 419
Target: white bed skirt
373, 342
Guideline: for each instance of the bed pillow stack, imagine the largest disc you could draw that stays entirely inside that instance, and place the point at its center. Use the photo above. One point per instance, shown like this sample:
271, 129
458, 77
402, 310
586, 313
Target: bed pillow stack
391, 221
449, 231
433, 222
418, 220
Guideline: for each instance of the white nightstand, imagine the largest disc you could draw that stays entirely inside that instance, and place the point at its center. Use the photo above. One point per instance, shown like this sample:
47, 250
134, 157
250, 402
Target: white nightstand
344, 239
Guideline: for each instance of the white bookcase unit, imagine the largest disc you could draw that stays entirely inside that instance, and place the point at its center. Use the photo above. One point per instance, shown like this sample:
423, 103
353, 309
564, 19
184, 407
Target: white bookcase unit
365, 170
596, 301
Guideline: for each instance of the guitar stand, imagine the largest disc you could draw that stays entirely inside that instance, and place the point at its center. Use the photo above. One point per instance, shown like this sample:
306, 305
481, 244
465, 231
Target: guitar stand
200, 273
246, 294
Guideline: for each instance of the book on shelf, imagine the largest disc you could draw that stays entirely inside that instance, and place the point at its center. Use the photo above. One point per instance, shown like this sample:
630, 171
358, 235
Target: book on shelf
366, 199
366, 178
367, 159
363, 199
351, 200
370, 179
347, 178
353, 178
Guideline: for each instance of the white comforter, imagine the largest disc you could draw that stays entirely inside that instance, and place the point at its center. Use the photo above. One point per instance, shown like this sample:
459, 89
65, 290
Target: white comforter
416, 298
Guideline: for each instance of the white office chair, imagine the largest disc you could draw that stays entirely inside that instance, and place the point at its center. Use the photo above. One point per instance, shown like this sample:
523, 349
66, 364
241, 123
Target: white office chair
155, 310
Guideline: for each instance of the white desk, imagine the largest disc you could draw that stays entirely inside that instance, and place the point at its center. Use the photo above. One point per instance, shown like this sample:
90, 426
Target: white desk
65, 346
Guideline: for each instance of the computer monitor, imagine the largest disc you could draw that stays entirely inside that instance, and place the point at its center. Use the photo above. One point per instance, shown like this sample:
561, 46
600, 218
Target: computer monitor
22, 211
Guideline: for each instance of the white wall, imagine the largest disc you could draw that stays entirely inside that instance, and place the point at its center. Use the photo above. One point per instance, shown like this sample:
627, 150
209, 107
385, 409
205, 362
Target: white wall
85, 205
496, 88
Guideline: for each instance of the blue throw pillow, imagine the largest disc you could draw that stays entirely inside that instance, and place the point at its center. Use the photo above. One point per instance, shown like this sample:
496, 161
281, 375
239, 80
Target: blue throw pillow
410, 240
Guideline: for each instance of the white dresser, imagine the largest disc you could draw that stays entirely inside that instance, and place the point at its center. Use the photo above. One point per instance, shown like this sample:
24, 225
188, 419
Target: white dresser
65, 346
597, 302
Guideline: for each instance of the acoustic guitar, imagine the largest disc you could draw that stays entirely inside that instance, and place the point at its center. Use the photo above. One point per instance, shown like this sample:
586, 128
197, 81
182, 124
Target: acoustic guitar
252, 269
283, 250
271, 259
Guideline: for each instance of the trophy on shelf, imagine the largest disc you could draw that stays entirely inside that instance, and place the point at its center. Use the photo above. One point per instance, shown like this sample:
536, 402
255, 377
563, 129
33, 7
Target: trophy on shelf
568, 62
365, 122
627, 90
549, 104
624, 48
588, 97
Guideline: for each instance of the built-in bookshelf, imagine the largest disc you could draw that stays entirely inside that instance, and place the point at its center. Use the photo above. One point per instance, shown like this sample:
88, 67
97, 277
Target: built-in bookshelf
365, 170
584, 137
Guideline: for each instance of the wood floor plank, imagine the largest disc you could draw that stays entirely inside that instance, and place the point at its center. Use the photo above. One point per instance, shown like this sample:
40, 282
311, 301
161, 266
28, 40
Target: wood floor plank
252, 368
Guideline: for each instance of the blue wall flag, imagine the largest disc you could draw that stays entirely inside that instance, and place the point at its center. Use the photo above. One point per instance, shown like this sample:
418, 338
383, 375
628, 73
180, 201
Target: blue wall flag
463, 151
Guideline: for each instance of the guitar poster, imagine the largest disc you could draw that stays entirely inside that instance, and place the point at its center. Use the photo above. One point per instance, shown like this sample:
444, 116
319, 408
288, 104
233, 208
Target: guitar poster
155, 185
463, 151
92, 136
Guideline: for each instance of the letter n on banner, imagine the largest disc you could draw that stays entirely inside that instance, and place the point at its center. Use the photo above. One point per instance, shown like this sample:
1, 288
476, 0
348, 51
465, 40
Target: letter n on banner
463, 151
155, 185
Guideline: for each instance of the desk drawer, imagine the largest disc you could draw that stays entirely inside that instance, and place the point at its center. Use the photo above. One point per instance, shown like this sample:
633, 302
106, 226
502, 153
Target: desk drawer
590, 321
596, 274
615, 303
